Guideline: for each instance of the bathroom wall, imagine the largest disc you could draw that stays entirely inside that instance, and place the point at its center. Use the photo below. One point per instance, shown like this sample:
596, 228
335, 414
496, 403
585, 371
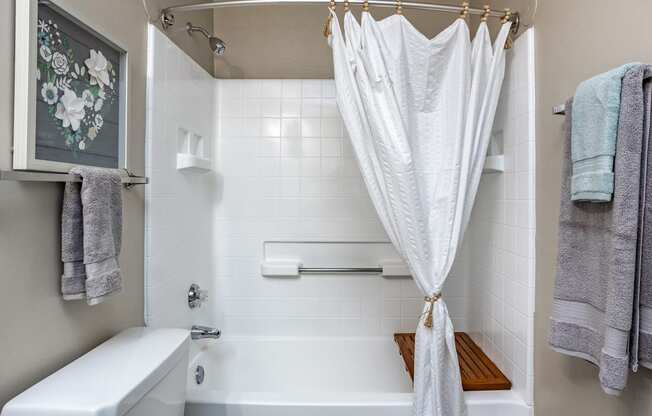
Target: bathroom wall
501, 232
39, 332
288, 42
576, 40
179, 204
289, 174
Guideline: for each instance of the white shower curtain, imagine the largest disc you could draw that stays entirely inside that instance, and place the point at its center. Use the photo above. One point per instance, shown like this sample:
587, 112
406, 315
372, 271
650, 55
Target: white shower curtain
419, 114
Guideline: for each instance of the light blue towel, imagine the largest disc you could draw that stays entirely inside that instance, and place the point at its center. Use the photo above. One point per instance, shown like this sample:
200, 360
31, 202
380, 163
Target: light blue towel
596, 107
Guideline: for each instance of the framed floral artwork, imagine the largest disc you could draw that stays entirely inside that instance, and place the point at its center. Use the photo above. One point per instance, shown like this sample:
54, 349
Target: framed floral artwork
70, 104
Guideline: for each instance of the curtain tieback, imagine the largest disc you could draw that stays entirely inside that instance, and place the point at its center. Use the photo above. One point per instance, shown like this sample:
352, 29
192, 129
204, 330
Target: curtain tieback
430, 300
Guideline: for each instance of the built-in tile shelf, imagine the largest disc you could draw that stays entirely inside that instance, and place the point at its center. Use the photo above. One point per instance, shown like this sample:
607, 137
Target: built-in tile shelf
192, 163
192, 152
494, 164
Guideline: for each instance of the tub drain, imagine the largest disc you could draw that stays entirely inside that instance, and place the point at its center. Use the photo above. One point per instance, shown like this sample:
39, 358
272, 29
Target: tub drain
199, 374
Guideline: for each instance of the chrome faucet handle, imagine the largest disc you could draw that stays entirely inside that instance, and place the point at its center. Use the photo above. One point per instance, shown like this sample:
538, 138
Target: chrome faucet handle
196, 296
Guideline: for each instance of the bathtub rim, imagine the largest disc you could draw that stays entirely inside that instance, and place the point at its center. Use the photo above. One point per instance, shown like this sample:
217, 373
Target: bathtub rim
199, 395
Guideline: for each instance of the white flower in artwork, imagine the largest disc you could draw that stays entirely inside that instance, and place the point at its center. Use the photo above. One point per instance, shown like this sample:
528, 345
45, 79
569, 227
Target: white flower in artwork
43, 26
82, 145
101, 94
98, 104
63, 83
92, 133
99, 121
38, 74
98, 69
70, 110
59, 63
88, 98
46, 53
49, 92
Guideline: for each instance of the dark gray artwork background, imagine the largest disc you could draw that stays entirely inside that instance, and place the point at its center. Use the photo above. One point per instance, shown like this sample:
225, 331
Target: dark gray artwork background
51, 145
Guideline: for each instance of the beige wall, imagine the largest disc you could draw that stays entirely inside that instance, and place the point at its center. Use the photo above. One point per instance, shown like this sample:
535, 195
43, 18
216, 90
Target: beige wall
38, 331
288, 41
196, 46
575, 40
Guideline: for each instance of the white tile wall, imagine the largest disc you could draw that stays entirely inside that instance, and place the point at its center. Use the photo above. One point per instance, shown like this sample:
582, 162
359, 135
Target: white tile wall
502, 231
289, 174
179, 206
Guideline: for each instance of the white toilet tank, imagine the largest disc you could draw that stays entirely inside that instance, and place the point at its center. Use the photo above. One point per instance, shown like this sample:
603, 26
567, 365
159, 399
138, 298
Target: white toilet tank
139, 372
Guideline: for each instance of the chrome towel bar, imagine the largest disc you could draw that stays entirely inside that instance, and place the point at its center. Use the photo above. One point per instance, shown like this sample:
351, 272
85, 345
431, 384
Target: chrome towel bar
336, 270
28, 176
559, 110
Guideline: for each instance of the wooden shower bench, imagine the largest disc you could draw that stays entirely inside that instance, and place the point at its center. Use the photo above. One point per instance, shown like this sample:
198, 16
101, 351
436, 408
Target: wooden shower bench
478, 371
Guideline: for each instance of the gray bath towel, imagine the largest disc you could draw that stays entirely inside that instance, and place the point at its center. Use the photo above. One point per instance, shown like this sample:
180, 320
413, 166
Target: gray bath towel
91, 235
642, 341
596, 268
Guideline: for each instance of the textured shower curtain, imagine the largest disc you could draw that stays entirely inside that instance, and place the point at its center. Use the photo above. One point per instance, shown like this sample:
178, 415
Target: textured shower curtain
419, 114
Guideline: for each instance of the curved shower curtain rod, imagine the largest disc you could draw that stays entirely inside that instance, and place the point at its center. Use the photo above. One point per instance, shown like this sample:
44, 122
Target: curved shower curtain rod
167, 14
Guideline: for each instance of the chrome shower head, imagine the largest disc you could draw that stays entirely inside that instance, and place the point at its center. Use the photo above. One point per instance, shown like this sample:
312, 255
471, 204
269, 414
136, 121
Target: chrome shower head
217, 45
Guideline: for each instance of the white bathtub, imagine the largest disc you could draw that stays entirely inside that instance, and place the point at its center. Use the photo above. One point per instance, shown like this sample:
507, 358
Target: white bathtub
288, 376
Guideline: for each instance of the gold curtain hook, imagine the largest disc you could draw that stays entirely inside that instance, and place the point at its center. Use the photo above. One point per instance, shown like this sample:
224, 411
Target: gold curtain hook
365, 6
507, 16
465, 10
346, 6
327, 25
485, 15
399, 7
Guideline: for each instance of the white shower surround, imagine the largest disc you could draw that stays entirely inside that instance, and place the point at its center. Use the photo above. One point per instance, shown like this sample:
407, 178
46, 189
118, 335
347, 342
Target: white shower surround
290, 174
501, 234
178, 205
284, 171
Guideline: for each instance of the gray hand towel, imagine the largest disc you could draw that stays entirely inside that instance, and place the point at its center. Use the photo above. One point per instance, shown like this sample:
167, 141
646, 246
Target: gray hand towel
91, 235
596, 267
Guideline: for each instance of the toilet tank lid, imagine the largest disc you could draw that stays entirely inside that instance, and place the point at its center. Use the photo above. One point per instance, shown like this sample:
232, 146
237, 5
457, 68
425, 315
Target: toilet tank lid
108, 380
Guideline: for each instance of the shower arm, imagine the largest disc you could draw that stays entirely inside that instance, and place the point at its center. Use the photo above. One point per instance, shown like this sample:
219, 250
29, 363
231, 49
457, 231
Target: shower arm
190, 29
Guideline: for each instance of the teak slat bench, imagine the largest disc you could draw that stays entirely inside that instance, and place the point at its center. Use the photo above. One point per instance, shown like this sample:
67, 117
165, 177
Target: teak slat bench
478, 371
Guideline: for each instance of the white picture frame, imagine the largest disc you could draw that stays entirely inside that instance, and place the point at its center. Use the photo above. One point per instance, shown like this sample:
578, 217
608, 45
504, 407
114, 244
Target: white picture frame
25, 88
